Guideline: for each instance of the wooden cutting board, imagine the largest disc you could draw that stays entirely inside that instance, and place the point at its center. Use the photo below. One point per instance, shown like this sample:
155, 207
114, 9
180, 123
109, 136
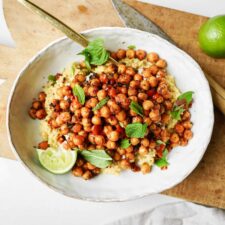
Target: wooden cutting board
206, 184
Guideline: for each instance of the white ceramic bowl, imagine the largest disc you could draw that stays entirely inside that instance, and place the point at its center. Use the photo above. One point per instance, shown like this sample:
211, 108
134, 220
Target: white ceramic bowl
24, 132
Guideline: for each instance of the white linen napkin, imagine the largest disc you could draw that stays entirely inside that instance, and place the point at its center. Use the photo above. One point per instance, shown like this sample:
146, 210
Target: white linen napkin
207, 8
5, 36
181, 213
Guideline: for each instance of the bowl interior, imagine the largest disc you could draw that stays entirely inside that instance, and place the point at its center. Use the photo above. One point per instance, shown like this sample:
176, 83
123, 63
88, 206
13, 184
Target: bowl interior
24, 132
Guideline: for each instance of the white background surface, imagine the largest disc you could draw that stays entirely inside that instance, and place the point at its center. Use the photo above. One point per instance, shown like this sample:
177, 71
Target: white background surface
207, 8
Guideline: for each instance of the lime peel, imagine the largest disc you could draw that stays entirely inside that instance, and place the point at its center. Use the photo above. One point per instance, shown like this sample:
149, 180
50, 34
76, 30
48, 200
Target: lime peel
57, 161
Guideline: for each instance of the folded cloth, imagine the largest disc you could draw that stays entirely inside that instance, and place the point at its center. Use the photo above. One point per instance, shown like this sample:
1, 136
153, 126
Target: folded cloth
180, 213
5, 36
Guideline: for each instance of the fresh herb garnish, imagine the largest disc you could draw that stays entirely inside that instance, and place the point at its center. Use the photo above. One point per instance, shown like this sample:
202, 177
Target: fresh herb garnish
79, 92
101, 103
159, 142
134, 106
187, 96
131, 47
51, 78
95, 53
176, 113
162, 161
125, 143
186, 99
136, 130
98, 158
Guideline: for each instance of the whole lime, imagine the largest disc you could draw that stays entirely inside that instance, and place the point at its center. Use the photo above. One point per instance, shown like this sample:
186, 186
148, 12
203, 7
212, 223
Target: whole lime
211, 37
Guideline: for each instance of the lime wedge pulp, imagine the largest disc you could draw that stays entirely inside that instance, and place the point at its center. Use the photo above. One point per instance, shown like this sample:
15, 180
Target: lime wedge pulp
57, 161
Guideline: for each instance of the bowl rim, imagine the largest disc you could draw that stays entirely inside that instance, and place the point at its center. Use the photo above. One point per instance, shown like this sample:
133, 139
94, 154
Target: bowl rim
93, 199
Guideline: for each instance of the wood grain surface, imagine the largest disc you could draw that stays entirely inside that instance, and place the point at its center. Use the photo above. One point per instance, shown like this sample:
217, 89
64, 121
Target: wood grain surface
206, 184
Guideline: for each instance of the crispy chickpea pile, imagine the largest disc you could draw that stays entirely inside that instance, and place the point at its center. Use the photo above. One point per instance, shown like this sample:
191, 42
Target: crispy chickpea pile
81, 127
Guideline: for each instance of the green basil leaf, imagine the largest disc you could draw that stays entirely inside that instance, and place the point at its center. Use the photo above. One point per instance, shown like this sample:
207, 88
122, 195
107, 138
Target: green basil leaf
95, 53
79, 92
87, 58
134, 106
51, 78
125, 143
101, 103
131, 47
187, 96
98, 158
159, 142
136, 130
176, 113
163, 161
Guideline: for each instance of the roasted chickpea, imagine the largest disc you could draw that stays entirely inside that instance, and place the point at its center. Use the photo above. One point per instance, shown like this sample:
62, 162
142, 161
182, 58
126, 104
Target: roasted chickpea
86, 122
121, 151
142, 96
113, 55
133, 98
101, 94
188, 134
64, 129
147, 104
124, 79
134, 83
77, 171
168, 104
96, 120
147, 73
147, 120
165, 135
43, 145
78, 140
99, 140
152, 81
145, 168
161, 63
142, 150
91, 103
129, 149
80, 77
113, 136
85, 112
179, 128
32, 113
87, 128
112, 92
87, 175
95, 82
155, 115
138, 77
111, 68
64, 104
90, 166
112, 120
91, 138
152, 57
152, 144
75, 105
92, 91
145, 142
41, 96
40, 114
174, 138
141, 54
134, 141
144, 85
121, 116
130, 53
65, 116
114, 108
107, 129
66, 91
36, 105
121, 69
121, 54
187, 124
116, 156
130, 71
165, 118
83, 133
105, 112
132, 91
111, 145
77, 128
137, 119
186, 115
130, 156
125, 164
154, 70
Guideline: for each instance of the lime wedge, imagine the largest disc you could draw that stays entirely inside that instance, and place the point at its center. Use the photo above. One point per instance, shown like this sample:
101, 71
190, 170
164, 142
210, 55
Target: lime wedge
57, 161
